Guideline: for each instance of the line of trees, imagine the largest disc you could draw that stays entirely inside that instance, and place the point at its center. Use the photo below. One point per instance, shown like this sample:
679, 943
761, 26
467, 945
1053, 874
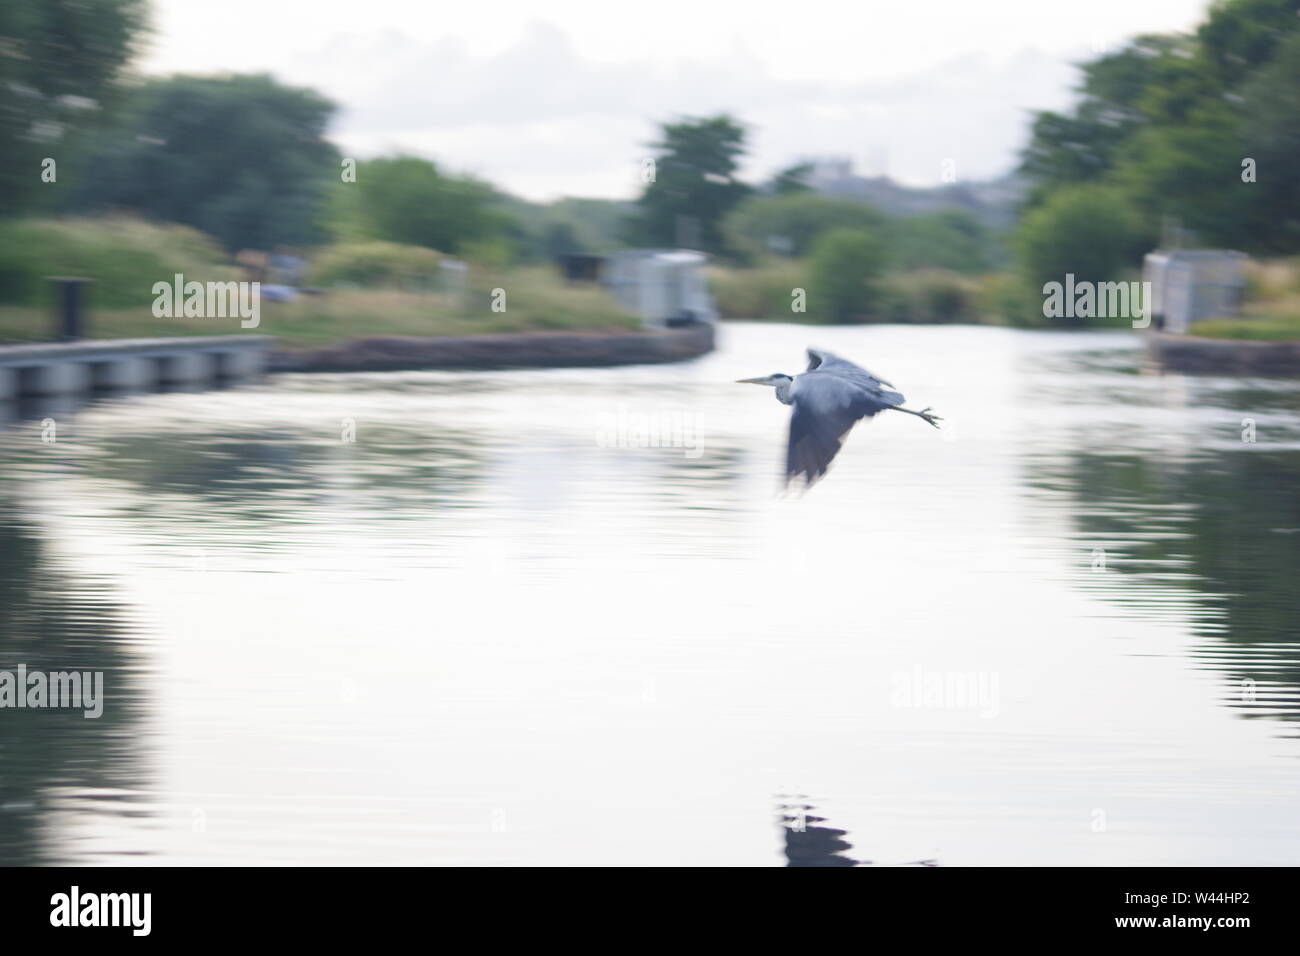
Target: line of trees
1198, 131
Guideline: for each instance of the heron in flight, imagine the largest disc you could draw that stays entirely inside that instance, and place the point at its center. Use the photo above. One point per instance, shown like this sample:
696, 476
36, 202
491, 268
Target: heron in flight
828, 400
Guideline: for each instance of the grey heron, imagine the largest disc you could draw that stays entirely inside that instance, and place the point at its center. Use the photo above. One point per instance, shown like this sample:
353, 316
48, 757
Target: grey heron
828, 399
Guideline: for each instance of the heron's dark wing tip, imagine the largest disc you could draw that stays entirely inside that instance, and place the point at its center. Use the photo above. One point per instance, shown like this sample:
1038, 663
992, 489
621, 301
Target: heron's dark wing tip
813, 443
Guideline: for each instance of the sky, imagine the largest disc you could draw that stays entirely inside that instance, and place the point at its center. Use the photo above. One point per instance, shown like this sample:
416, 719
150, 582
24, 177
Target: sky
563, 98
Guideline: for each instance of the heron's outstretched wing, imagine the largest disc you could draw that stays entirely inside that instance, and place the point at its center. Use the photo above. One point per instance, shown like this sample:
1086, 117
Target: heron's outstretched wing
826, 406
823, 361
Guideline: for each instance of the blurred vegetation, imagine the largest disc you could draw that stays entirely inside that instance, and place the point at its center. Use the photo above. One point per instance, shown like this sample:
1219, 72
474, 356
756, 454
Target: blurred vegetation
408, 200
124, 255
59, 63
1164, 133
539, 232
1157, 137
695, 184
789, 224
843, 268
930, 296
194, 150
765, 291
537, 302
1088, 230
1272, 309
376, 264
1281, 328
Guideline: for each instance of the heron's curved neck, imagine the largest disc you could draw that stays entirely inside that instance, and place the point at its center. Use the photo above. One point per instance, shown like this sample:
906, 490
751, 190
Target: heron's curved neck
784, 393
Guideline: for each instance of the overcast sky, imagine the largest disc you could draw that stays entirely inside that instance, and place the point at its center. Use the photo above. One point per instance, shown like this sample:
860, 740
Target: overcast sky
560, 98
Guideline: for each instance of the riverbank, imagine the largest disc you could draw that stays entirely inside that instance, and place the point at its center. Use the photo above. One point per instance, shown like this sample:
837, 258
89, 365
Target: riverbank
1198, 355
530, 302
533, 350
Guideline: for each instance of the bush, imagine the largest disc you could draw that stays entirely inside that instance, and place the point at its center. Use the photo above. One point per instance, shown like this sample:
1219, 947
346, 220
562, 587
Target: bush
1006, 299
536, 298
929, 296
763, 292
842, 275
404, 199
796, 218
124, 256
375, 264
1090, 231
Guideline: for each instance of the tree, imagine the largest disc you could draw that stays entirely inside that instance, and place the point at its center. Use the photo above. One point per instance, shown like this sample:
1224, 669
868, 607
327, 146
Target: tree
1240, 35
1170, 121
410, 200
1271, 137
790, 224
946, 239
792, 179
695, 184
842, 274
58, 60
241, 158
1090, 231
1121, 94
1192, 173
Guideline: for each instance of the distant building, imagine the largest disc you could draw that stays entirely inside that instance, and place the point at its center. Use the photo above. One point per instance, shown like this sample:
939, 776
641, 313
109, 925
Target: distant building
665, 287
992, 202
1193, 284
830, 173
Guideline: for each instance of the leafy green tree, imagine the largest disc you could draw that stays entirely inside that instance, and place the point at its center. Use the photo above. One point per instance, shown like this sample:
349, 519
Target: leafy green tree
1271, 138
1171, 121
695, 184
1117, 98
1238, 36
409, 200
1192, 173
58, 61
842, 275
793, 179
241, 158
1090, 231
948, 239
1156, 80
790, 224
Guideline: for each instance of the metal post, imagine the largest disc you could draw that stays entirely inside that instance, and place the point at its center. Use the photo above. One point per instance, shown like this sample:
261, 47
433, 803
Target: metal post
70, 322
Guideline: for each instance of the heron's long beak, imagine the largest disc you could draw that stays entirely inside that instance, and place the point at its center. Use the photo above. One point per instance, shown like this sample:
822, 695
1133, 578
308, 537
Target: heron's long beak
752, 381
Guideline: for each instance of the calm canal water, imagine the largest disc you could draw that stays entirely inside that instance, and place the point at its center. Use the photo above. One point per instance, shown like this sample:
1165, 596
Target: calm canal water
1062, 631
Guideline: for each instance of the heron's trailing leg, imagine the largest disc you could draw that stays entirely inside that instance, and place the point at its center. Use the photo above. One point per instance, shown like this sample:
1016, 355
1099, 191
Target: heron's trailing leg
925, 413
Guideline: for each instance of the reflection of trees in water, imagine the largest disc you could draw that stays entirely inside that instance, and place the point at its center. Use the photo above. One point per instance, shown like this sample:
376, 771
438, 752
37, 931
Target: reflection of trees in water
50, 624
260, 478
255, 475
807, 843
1228, 522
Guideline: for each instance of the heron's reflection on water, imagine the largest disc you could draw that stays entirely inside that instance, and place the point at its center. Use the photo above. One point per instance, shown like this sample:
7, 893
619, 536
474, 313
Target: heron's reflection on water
809, 844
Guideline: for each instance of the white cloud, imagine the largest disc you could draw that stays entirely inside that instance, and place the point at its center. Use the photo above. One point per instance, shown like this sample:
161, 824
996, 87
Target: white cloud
567, 106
